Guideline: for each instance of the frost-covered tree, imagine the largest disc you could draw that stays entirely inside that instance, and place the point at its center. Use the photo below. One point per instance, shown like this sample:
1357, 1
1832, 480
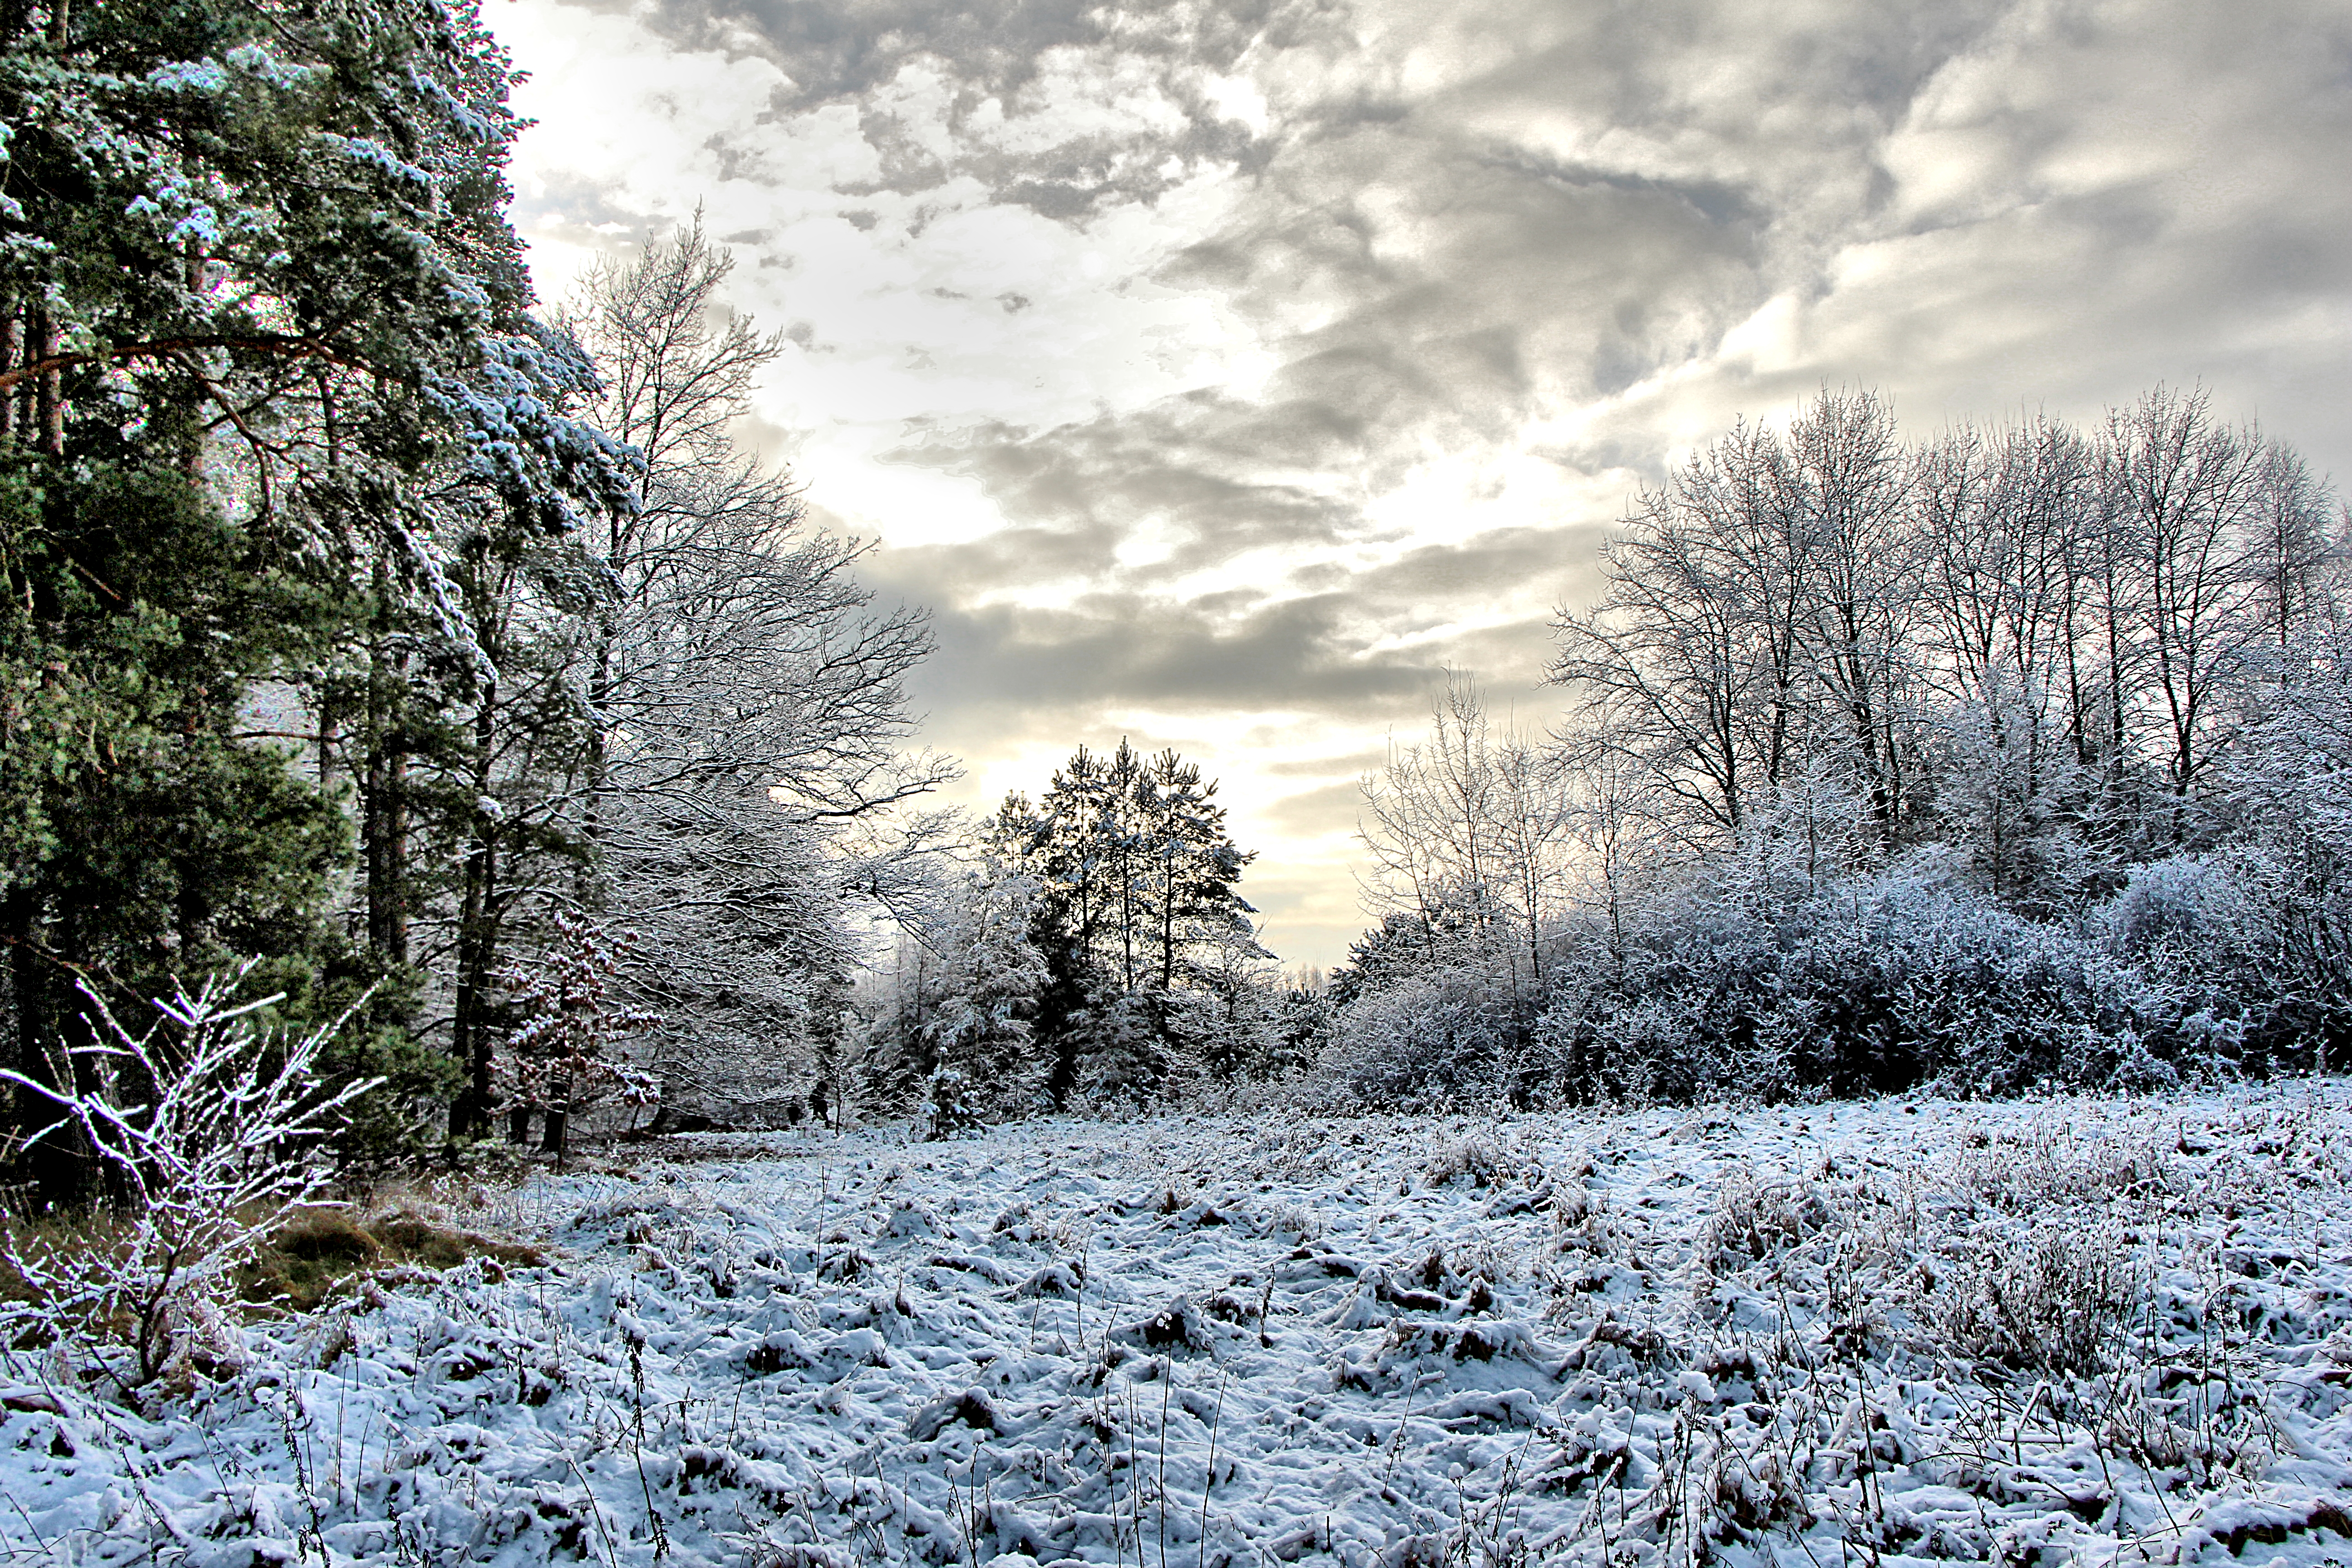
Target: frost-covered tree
954, 1040
564, 1049
1759, 613
1994, 758
1138, 907
2006, 520
746, 752
1474, 821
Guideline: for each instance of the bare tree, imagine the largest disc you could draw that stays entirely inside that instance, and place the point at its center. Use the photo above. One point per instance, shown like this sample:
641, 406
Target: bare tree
747, 701
1846, 482
2003, 519
1476, 821
1691, 660
1757, 616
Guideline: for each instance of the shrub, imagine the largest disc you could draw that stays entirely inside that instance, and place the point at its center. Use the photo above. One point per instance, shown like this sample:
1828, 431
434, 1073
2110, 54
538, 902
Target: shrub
1445, 1035
206, 1127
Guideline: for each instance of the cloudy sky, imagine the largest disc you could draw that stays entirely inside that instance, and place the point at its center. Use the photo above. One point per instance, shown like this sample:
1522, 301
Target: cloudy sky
1216, 373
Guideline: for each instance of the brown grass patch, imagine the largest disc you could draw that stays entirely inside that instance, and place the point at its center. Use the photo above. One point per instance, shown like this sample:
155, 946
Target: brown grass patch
320, 1250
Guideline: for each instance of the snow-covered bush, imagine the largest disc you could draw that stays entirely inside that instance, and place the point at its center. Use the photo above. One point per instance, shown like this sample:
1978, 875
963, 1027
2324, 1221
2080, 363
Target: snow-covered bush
206, 1128
2290, 780
1438, 1036
1928, 980
2256, 941
1477, 1156
2186, 909
1756, 1218
2064, 1301
1754, 982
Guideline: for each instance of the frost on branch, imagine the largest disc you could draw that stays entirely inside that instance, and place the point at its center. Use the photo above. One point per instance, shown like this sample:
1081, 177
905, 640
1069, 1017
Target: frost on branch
206, 1130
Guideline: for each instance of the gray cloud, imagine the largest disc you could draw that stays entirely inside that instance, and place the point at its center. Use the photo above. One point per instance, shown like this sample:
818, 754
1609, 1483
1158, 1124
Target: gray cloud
1107, 649
1525, 248
838, 50
1317, 810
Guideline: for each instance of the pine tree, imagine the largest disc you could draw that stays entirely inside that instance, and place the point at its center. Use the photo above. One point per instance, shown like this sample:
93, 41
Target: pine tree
267, 359
1138, 905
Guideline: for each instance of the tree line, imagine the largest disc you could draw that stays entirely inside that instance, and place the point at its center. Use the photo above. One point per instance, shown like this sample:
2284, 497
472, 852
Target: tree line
440, 651
443, 654
2005, 757
2009, 755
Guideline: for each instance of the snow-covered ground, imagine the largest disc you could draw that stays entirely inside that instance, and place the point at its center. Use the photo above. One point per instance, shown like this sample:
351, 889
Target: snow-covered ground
2111, 1331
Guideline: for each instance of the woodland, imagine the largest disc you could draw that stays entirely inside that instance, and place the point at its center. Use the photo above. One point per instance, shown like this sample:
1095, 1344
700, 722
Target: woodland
2004, 759
400, 662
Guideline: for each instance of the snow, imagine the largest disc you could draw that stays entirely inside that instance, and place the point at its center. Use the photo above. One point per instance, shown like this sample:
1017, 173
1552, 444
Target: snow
1784, 1336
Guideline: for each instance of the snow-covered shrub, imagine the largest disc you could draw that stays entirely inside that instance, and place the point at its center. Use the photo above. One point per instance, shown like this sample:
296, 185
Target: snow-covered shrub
1929, 981
2255, 941
1130, 1054
1870, 986
206, 1130
1754, 980
2186, 910
1444, 1034
1478, 1156
1305, 1025
1246, 1028
2289, 778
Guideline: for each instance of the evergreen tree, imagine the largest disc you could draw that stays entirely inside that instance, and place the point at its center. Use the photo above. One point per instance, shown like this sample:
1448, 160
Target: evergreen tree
265, 351
1137, 908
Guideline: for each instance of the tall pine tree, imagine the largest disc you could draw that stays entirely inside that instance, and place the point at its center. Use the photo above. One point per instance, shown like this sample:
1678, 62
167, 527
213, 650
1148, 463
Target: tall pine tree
268, 373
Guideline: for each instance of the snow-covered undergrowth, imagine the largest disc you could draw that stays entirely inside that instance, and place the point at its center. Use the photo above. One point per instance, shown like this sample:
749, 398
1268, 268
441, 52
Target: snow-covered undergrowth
2117, 1330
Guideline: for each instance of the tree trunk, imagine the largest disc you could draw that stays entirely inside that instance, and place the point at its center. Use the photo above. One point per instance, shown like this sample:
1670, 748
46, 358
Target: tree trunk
558, 1117
477, 940
50, 407
328, 737
11, 344
28, 1018
384, 812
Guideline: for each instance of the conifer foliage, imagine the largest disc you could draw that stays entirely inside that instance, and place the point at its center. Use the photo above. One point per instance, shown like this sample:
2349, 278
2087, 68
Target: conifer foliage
1139, 882
359, 621
1100, 953
265, 347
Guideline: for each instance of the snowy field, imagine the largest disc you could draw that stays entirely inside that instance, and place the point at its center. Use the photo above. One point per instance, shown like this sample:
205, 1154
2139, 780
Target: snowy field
2072, 1329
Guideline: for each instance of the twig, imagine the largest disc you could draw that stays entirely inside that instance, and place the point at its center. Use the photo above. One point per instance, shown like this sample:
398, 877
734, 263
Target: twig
595, 1510
1209, 1482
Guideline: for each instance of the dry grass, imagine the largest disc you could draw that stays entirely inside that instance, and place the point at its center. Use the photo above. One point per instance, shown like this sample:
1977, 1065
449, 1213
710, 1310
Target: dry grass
318, 1251
321, 1250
